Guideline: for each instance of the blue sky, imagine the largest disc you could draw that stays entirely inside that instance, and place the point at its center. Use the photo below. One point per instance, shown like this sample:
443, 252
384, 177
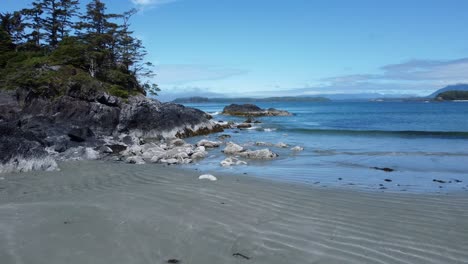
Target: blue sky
295, 47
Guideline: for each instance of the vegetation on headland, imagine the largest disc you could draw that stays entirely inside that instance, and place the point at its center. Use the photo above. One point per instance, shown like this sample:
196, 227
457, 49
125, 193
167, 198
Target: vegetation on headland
250, 100
452, 96
52, 45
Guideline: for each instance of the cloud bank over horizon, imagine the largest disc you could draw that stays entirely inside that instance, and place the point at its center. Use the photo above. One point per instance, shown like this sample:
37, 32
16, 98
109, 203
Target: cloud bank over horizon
410, 78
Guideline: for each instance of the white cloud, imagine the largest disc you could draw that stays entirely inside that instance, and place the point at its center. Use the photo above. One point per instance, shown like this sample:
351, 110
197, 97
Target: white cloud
151, 2
187, 73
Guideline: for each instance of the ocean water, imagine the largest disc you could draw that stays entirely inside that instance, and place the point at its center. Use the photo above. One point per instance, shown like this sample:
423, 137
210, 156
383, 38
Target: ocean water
344, 141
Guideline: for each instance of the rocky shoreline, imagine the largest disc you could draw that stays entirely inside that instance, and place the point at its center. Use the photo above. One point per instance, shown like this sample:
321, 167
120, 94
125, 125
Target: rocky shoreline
86, 123
36, 129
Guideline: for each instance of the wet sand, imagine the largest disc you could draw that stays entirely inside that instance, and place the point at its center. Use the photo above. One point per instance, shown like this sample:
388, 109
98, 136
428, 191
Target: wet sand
102, 212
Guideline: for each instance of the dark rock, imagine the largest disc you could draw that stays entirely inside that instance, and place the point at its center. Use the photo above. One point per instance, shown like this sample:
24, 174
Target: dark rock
244, 125
383, 169
249, 120
222, 137
80, 134
151, 117
240, 255
116, 148
388, 180
128, 140
251, 110
439, 181
173, 261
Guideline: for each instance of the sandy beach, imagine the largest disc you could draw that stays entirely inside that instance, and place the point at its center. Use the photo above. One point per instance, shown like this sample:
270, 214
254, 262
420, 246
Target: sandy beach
103, 212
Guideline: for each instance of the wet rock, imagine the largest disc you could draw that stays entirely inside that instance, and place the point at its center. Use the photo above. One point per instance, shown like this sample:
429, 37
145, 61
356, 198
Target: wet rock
248, 121
439, 181
263, 154
223, 137
135, 160
388, 180
297, 149
282, 145
232, 148
117, 148
383, 169
173, 261
228, 162
263, 144
244, 126
171, 161
208, 144
105, 149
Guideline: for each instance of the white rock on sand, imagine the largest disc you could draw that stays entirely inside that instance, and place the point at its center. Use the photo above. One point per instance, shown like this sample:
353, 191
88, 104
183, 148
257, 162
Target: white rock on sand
262, 154
297, 148
233, 148
208, 177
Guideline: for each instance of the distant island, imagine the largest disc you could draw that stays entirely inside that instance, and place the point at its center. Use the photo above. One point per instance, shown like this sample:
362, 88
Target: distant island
453, 96
197, 99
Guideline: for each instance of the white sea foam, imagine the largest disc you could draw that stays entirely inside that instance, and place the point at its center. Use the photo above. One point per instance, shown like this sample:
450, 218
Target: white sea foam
20, 164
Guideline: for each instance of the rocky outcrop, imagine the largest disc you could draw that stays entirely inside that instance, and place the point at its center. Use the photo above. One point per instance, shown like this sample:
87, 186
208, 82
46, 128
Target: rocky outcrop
37, 126
252, 110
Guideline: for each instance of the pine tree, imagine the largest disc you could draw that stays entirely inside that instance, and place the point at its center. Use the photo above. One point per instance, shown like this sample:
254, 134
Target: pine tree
51, 21
34, 22
98, 32
67, 11
12, 24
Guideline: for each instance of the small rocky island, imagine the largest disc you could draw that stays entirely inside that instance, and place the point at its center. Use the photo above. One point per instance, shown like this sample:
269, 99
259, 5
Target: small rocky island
252, 110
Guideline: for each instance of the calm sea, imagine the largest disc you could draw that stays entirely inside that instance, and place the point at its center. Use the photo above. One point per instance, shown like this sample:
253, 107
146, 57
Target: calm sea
343, 141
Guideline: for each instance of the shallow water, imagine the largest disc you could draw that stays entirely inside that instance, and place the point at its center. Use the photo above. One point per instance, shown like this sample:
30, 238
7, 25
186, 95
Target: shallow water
104, 212
343, 141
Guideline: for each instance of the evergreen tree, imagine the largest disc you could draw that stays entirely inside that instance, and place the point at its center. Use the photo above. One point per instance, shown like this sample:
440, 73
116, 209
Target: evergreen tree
12, 24
51, 22
34, 22
67, 11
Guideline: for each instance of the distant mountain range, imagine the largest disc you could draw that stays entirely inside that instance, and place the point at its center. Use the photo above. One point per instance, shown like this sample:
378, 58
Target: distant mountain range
327, 97
197, 99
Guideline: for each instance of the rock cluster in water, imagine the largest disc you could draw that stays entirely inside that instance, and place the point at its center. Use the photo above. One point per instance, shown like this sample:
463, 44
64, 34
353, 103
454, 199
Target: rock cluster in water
252, 110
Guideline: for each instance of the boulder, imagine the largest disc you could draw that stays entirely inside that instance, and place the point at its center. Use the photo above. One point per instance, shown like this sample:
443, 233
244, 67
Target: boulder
232, 148
22, 151
244, 126
297, 148
209, 144
263, 154
282, 145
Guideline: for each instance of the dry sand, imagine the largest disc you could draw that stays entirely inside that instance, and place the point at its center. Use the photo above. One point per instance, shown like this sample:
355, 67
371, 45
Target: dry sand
101, 212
